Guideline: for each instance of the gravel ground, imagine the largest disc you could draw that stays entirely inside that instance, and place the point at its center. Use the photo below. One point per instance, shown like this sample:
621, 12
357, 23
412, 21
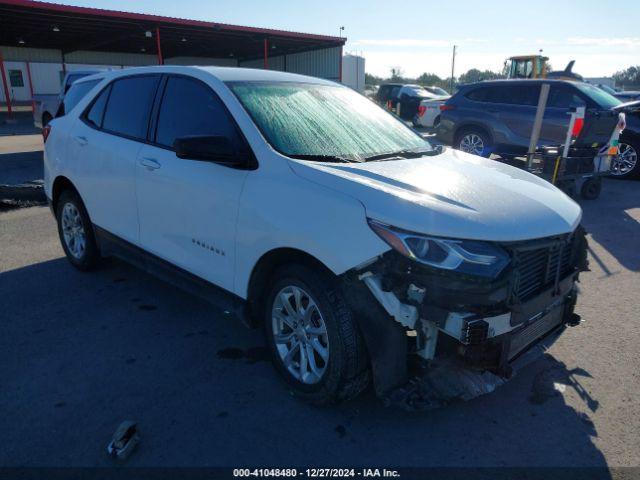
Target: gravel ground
82, 352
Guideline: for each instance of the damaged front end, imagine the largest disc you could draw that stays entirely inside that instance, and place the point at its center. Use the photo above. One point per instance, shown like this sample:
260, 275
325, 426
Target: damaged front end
436, 335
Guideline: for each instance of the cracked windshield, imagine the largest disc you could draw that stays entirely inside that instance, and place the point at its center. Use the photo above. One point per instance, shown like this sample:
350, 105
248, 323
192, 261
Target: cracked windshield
320, 121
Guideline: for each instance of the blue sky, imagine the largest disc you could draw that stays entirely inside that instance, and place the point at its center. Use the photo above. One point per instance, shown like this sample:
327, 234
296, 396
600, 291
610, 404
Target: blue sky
603, 36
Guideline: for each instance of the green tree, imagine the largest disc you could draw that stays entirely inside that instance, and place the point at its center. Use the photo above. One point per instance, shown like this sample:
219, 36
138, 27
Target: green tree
475, 75
429, 79
397, 74
630, 76
370, 79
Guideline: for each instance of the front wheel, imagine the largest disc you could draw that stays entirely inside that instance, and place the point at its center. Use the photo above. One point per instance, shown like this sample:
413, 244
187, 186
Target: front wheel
313, 337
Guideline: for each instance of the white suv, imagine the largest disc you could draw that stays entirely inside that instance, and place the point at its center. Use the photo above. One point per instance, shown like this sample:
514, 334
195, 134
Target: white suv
305, 208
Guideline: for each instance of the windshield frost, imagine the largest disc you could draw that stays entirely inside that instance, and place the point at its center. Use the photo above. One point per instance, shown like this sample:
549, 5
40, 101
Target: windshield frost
322, 120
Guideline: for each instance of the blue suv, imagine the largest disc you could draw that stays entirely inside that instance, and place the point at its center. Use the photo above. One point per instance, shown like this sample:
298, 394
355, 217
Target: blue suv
497, 116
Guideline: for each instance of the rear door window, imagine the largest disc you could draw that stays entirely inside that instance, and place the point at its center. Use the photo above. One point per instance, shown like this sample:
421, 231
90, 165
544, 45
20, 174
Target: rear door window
189, 107
129, 104
526, 95
499, 95
477, 95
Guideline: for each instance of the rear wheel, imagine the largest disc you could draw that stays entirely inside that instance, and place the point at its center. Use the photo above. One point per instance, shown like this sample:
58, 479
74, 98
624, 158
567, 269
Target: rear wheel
76, 232
313, 337
625, 164
474, 141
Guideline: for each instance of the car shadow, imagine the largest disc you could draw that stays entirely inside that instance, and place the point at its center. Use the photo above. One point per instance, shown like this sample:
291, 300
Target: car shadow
613, 221
18, 123
17, 168
83, 352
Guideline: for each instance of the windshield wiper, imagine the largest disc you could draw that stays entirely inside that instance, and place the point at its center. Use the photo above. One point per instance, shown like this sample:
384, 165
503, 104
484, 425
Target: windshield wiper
406, 154
326, 158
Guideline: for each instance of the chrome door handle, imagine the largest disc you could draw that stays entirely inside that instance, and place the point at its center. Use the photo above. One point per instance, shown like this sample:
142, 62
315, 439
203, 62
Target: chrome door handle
82, 141
150, 163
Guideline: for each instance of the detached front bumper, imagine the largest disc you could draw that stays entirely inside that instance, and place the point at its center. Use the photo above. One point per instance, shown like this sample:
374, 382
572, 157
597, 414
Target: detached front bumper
494, 342
412, 317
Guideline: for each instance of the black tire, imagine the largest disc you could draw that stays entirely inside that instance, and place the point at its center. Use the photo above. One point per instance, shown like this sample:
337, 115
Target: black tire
630, 148
479, 132
90, 255
46, 118
591, 188
347, 370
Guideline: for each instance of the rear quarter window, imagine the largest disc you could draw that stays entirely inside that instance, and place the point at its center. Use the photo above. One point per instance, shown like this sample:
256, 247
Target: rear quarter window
76, 93
96, 111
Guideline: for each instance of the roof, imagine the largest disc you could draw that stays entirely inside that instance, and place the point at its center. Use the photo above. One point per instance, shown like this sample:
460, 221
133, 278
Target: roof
509, 81
71, 28
224, 74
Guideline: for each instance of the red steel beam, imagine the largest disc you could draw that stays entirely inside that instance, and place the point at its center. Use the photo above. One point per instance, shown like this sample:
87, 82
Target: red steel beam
33, 101
160, 59
266, 54
5, 85
49, 8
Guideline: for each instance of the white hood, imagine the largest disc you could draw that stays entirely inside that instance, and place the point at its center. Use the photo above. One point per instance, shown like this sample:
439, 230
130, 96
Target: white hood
453, 194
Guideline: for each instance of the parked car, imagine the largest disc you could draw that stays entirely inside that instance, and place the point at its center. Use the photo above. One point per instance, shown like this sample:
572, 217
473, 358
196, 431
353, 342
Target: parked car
440, 92
354, 253
387, 94
370, 91
623, 96
46, 106
428, 115
404, 99
409, 99
497, 117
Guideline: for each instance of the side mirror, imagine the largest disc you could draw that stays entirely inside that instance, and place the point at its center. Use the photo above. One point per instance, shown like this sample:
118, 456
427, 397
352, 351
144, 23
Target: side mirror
208, 148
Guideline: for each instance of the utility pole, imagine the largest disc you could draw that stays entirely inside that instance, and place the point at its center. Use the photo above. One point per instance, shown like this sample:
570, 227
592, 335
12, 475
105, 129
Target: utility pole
340, 31
453, 66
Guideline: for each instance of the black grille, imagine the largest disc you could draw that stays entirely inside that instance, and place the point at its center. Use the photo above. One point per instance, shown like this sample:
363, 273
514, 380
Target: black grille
537, 268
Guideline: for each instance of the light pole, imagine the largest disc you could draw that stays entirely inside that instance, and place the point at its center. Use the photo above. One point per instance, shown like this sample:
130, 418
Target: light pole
340, 32
453, 66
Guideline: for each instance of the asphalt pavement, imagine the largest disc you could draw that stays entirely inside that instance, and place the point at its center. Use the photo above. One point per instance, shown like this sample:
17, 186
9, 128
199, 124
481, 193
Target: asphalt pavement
81, 352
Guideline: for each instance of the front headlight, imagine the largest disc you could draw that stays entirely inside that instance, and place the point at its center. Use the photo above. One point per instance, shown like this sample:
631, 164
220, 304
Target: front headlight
464, 256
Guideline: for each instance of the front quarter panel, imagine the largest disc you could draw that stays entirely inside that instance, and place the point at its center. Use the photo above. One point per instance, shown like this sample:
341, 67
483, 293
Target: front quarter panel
279, 209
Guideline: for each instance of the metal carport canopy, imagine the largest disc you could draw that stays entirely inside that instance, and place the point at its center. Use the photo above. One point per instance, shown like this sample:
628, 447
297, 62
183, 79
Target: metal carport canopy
69, 28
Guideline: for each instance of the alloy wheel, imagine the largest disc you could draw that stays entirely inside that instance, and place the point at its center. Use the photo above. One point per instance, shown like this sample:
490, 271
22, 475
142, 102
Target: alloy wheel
300, 334
73, 231
625, 161
472, 143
